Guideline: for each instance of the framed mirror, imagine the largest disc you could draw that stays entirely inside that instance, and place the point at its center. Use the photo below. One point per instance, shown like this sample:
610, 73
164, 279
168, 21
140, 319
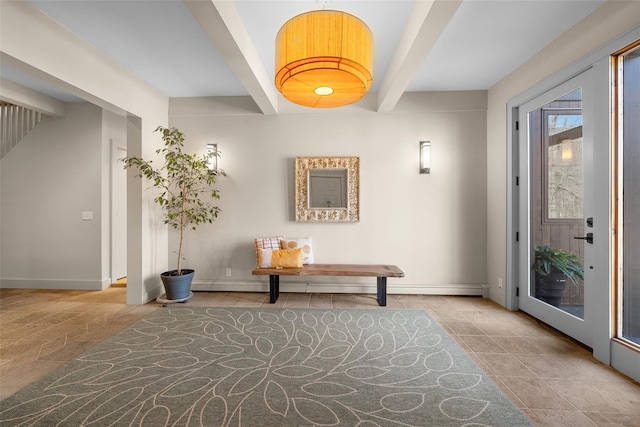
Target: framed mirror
327, 189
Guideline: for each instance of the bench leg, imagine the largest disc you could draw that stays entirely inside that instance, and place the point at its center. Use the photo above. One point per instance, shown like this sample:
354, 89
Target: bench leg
274, 288
382, 291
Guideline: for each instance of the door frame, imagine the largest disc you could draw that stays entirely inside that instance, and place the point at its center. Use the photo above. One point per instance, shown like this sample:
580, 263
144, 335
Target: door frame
116, 192
624, 357
604, 347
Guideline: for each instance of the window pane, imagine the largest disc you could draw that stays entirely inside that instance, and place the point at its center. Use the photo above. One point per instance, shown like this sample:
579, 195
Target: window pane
564, 166
631, 196
555, 134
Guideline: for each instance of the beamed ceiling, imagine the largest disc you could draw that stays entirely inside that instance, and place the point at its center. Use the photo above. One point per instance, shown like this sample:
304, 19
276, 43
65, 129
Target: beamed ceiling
226, 48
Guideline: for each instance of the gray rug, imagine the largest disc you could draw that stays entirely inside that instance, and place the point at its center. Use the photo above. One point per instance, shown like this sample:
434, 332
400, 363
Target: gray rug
199, 366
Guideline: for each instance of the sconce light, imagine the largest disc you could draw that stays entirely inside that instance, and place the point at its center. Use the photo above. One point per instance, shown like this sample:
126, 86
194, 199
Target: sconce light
425, 157
212, 157
567, 149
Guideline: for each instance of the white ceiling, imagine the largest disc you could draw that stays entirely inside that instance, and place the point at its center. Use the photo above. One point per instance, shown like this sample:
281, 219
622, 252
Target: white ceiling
163, 42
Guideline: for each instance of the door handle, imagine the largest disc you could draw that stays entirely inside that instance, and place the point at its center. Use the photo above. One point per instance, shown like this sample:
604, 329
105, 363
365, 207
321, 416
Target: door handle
588, 238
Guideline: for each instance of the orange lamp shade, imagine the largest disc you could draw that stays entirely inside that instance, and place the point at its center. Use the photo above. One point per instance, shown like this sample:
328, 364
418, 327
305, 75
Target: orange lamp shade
324, 59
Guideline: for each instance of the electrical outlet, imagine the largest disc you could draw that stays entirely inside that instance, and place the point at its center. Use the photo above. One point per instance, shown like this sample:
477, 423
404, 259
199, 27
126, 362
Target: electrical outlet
499, 282
228, 272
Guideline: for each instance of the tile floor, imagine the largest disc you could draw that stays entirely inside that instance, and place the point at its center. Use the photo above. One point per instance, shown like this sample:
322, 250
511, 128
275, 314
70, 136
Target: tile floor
554, 381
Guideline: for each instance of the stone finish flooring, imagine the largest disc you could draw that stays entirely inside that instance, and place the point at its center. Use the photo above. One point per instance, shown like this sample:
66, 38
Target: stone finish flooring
554, 381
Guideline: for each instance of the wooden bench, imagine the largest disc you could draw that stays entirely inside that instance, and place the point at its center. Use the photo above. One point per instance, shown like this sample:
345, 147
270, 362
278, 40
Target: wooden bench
379, 271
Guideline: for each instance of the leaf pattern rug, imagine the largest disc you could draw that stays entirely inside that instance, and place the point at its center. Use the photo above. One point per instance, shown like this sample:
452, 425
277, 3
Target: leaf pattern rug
205, 366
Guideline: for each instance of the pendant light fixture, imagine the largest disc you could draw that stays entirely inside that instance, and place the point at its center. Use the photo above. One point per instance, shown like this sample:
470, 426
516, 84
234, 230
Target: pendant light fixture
324, 59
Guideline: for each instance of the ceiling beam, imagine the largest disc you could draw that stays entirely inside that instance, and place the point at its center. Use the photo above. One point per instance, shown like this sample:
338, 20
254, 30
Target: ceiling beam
426, 23
221, 22
71, 64
28, 98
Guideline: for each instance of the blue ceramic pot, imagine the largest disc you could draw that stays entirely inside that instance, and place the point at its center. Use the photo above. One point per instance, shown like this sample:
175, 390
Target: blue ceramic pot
177, 287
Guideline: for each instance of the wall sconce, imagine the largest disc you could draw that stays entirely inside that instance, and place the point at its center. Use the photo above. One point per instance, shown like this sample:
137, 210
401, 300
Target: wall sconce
212, 157
425, 157
567, 149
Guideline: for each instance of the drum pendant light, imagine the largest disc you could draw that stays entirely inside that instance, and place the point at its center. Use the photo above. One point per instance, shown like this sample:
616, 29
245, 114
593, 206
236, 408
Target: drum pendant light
324, 59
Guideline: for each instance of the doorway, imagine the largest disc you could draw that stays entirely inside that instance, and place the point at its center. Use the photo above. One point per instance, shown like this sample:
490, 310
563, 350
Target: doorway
607, 253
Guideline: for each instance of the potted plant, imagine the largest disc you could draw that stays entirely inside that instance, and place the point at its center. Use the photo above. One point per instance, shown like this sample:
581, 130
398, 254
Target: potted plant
184, 183
553, 267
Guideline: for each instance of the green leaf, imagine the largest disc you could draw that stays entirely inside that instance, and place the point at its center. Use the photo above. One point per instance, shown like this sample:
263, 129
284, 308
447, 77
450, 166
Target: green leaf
183, 182
549, 259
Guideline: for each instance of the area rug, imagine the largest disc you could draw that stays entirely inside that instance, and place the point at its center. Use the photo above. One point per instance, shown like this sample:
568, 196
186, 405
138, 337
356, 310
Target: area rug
204, 366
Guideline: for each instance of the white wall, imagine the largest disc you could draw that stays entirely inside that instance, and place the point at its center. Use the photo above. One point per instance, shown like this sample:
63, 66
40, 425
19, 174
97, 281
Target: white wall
432, 226
604, 24
48, 180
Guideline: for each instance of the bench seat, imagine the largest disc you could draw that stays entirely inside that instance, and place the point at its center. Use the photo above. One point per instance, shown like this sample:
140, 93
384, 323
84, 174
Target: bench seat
381, 272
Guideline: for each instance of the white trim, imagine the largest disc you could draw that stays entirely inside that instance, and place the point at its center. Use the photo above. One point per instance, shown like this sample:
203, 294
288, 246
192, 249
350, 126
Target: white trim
87, 285
468, 289
116, 249
512, 217
147, 298
625, 360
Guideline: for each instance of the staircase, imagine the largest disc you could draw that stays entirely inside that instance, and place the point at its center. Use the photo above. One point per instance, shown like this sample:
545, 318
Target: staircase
15, 123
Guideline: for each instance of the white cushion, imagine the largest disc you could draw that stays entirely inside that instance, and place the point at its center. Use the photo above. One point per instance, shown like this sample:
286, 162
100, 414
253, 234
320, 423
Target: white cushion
303, 243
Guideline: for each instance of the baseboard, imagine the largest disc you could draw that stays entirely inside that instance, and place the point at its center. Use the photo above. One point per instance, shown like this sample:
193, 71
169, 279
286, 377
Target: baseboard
147, 298
468, 289
86, 285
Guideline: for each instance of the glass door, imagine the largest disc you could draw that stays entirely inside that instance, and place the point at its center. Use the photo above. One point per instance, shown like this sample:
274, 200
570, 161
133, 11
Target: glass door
626, 345
556, 199
629, 144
